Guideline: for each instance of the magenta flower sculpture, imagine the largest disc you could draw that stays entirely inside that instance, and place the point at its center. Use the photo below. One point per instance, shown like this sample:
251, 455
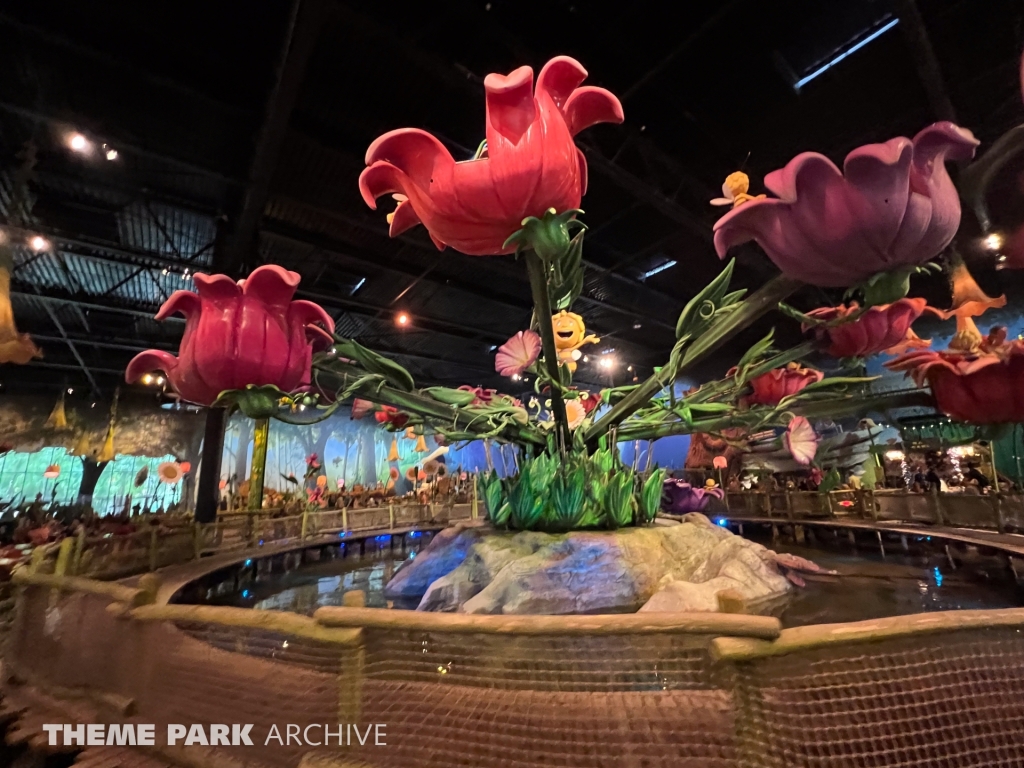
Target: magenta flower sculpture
236, 335
679, 497
895, 207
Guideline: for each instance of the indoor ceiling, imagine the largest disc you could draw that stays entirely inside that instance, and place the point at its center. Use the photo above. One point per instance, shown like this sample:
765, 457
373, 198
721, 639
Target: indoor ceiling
239, 137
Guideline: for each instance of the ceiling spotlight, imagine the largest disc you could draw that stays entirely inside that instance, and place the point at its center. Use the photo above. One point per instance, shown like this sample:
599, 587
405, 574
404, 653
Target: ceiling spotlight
164, 271
516, 377
586, 359
39, 243
637, 326
402, 319
110, 152
607, 362
78, 143
147, 378
629, 367
71, 390
994, 241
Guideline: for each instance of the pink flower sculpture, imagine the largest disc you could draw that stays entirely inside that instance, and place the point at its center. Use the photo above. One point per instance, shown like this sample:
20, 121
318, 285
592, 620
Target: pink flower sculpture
679, 497
772, 387
800, 440
876, 330
531, 163
517, 354
979, 387
895, 207
236, 334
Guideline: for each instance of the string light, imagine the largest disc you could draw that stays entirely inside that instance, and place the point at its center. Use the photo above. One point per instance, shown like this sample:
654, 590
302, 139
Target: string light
994, 241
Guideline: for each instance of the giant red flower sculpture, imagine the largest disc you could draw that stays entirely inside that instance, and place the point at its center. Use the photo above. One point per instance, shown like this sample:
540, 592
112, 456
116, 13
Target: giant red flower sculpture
875, 330
895, 207
236, 334
531, 163
982, 387
772, 387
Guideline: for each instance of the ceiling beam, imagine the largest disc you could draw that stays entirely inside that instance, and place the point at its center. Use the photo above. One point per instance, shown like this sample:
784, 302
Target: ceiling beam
306, 20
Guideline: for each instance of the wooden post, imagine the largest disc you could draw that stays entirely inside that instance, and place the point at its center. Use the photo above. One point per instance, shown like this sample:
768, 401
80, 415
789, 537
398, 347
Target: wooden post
350, 680
64, 556
344, 518
76, 563
997, 503
474, 511
197, 540
391, 517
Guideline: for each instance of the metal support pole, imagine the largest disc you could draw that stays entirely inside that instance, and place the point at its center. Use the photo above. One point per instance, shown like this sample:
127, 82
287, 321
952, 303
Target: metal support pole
208, 493
259, 464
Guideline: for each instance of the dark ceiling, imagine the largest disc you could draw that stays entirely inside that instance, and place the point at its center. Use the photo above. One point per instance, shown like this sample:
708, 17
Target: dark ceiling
240, 129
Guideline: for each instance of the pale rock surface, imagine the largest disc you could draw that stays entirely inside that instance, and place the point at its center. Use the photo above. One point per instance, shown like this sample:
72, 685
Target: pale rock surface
661, 568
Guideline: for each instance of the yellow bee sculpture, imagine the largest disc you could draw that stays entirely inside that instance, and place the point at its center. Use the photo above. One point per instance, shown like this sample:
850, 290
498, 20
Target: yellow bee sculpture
570, 335
735, 190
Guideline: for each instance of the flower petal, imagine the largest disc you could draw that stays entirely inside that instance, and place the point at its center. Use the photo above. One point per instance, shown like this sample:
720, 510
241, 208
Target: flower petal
510, 105
800, 440
588, 106
560, 77
518, 353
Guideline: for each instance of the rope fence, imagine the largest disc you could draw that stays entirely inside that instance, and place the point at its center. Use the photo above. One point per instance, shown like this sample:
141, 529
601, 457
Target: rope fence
631, 690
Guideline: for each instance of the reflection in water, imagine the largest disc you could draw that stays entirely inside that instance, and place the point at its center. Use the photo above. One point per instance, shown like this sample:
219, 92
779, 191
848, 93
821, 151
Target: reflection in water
870, 587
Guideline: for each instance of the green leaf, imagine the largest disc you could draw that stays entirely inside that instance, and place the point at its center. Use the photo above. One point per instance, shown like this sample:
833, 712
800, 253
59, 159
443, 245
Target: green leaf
619, 500
758, 351
649, 502
830, 482
567, 496
450, 396
490, 488
526, 506
697, 314
602, 461
395, 374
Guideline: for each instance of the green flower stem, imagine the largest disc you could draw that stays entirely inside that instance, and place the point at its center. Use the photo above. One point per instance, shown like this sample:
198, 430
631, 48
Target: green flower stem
718, 388
814, 410
454, 418
261, 433
542, 309
767, 298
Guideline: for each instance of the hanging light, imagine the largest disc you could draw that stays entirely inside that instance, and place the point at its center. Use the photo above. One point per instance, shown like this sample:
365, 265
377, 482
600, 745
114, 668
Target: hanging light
78, 143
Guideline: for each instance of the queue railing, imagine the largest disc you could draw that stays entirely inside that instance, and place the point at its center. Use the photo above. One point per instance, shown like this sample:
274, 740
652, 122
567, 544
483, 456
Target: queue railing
1001, 512
118, 555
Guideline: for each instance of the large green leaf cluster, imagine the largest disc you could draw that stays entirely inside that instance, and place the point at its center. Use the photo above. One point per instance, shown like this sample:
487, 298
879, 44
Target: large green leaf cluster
555, 494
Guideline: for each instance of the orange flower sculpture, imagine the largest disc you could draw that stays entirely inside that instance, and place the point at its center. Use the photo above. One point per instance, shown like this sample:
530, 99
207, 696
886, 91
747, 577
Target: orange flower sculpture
14, 347
531, 163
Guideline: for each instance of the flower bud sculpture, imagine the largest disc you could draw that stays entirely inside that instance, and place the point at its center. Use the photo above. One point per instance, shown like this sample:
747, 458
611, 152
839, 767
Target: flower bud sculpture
530, 165
772, 387
894, 208
876, 330
236, 335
